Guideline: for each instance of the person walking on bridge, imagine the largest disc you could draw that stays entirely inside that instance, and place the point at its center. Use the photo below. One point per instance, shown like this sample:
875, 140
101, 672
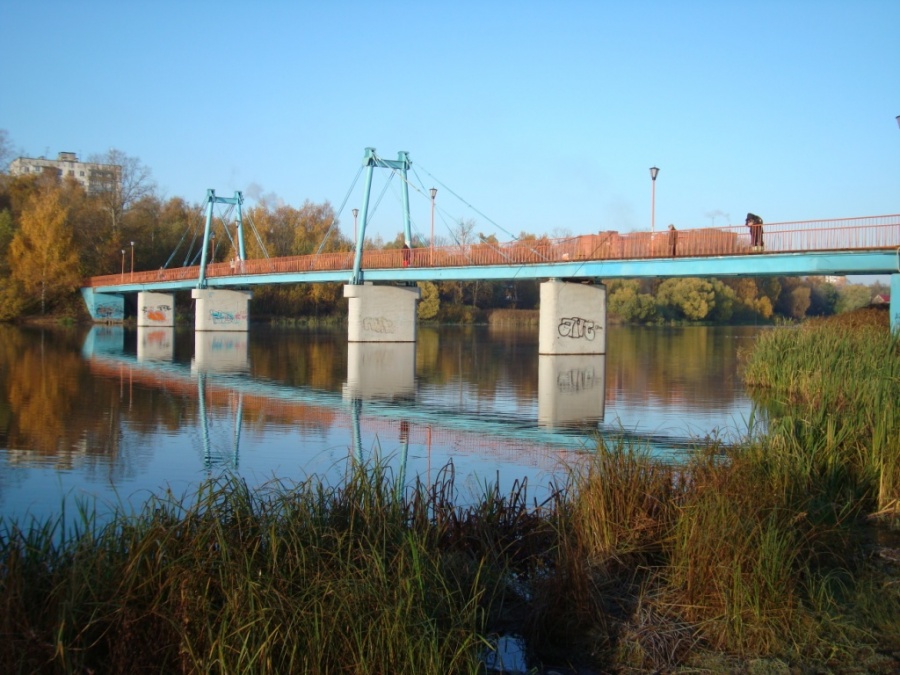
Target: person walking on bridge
673, 240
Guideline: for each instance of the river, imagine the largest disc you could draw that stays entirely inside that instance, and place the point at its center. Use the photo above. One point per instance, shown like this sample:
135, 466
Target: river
105, 417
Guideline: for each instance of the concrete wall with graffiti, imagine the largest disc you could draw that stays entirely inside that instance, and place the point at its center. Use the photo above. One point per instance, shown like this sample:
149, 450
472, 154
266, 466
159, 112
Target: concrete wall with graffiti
381, 313
573, 318
219, 310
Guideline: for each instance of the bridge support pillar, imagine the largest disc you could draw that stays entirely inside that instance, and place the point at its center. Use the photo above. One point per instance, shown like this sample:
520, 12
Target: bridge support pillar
104, 307
573, 318
156, 309
219, 310
895, 302
381, 313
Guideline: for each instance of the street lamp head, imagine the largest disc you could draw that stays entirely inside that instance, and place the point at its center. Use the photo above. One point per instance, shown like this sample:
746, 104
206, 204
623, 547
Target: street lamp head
654, 171
355, 212
433, 192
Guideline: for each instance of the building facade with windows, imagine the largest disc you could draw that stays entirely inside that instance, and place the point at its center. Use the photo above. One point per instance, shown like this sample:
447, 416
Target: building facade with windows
92, 176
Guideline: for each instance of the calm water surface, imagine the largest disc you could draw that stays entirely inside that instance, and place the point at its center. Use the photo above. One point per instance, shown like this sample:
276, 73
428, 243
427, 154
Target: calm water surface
113, 414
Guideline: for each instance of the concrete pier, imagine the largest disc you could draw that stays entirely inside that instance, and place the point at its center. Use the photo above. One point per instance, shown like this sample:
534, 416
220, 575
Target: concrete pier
381, 313
156, 309
219, 310
573, 318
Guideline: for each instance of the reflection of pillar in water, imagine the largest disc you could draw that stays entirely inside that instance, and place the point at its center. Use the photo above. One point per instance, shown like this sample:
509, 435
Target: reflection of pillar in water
571, 389
104, 340
380, 370
204, 420
155, 343
238, 411
355, 410
220, 352
404, 456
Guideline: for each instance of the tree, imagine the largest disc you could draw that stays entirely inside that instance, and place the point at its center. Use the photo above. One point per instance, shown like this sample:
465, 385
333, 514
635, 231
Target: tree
794, 299
6, 151
627, 302
724, 303
42, 257
430, 303
823, 298
853, 296
690, 298
134, 182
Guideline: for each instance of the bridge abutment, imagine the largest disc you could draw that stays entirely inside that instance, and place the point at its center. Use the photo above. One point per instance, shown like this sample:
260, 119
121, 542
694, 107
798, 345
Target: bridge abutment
218, 310
156, 309
573, 318
381, 313
104, 307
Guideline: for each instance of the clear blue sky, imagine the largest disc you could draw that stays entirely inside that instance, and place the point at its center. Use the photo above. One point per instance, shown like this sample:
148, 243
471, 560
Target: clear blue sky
544, 116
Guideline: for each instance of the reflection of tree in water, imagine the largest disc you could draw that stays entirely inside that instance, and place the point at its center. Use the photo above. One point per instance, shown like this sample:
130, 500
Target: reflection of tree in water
664, 364
53, 409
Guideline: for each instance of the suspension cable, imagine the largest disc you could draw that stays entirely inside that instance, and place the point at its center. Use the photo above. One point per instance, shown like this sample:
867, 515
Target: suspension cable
337, 216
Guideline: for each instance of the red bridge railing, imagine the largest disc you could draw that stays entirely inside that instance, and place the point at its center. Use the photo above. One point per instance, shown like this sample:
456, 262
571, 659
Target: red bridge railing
866, 233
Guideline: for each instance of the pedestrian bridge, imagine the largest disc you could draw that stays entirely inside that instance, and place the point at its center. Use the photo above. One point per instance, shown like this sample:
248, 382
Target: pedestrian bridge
848, 246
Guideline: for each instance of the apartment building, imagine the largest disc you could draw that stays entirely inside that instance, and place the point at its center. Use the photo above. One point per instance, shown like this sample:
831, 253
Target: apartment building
93, 177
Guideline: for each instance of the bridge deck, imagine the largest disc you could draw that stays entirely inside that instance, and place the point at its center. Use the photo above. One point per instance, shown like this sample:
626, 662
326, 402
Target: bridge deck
569, 255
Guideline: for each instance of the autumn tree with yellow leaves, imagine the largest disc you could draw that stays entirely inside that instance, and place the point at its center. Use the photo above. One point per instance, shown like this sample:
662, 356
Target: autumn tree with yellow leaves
42, 258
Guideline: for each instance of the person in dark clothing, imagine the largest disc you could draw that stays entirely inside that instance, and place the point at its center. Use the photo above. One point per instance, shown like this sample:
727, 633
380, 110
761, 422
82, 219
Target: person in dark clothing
755, 223
673, 240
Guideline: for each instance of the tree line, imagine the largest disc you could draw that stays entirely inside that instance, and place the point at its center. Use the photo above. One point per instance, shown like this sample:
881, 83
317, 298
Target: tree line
53, 234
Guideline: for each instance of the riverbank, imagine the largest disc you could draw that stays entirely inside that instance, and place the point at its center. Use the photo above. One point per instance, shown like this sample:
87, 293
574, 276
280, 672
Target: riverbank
769, 557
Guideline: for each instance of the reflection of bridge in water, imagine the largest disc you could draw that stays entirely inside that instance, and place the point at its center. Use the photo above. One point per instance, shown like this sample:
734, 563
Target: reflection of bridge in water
378, 397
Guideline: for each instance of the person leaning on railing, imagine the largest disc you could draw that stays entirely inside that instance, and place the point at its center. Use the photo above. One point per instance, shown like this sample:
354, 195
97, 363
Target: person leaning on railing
755, 223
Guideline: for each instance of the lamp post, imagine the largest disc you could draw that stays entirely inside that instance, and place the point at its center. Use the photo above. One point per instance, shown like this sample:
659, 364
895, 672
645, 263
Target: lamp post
654, 172
132, 261
355, 213
898, 120
433, 192
123, 264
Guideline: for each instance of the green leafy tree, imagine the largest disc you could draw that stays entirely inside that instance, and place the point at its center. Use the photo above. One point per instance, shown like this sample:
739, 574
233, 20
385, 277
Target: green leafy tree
794, 298
823, 298
688, 298
625, 300
724, 302
430, 302
42, 257
853, 296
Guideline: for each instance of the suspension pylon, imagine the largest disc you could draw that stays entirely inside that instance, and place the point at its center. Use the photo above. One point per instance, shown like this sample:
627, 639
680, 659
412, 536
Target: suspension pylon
212, 199
370, 161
